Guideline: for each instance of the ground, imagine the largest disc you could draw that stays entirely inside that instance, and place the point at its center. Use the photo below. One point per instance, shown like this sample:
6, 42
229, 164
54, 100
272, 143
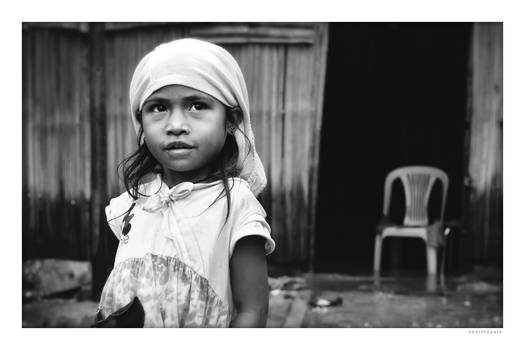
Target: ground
465, 302
407, 302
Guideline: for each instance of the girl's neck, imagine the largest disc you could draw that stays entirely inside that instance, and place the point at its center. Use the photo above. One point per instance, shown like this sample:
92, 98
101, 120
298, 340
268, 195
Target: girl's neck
173, 178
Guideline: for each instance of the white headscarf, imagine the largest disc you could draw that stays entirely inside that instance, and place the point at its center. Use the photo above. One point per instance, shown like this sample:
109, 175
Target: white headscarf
211, 69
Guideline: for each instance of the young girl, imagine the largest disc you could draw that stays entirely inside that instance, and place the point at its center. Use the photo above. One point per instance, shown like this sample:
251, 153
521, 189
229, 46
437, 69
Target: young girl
193, 237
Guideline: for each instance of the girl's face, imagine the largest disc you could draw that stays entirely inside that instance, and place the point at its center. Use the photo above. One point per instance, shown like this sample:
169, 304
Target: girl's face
184, 129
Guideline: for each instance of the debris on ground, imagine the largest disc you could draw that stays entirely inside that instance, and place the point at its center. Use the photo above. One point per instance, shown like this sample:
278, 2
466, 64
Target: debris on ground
58, 313
479, 287
286, 286
288, 294
47, 277
287, 283
325, 302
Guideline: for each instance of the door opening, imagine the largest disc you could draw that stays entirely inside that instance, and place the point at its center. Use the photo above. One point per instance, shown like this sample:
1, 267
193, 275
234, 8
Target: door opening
395, 95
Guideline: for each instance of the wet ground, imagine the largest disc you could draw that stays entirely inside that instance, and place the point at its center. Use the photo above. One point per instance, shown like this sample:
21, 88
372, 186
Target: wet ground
467, 302
406, 302
464, 302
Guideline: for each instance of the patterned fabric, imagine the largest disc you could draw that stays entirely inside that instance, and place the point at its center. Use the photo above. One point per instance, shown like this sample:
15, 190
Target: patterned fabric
175, 248
171, 293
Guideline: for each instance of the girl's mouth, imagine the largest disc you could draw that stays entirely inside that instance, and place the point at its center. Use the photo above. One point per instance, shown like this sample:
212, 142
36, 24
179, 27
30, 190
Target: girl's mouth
178, 145
179, 149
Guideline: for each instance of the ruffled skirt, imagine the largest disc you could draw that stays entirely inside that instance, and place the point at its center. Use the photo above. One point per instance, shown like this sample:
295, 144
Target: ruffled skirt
171, 293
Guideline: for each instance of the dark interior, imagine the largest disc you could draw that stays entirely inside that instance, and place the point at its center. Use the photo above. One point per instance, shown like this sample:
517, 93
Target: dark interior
395, 95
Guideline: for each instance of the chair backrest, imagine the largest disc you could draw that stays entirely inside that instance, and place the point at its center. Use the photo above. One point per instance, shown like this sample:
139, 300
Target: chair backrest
417, 183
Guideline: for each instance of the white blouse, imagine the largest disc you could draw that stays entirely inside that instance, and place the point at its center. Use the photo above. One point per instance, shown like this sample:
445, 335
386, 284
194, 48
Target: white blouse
174, 251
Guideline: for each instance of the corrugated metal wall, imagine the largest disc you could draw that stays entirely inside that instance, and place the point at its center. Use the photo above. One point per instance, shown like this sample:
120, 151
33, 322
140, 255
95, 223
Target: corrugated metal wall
486, 143
284, 68
56, 144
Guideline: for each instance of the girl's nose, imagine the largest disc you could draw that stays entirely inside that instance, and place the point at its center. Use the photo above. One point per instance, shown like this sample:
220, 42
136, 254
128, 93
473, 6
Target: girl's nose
177, 123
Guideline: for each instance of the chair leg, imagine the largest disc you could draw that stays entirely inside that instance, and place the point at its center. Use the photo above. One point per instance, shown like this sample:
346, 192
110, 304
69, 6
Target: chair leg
431, 260
377, 255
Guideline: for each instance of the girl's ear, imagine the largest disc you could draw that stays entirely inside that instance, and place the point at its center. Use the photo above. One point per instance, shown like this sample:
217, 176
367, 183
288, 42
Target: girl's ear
140, 134
234, 120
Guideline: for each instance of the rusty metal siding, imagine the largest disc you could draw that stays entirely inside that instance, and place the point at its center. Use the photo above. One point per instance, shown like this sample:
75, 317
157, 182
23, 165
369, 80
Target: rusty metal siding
486, 142
56, 148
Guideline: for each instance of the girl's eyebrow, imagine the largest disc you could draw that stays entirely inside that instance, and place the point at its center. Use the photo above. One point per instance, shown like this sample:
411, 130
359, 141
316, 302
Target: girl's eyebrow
191, 98
188, 98
156, 99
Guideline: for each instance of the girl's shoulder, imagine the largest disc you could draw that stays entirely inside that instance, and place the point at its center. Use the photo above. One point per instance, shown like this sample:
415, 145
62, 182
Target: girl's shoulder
243, 199
119, 205
122, 202
240, 185
240, 189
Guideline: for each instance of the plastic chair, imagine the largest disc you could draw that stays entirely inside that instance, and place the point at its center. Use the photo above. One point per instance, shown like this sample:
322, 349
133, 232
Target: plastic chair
418, 182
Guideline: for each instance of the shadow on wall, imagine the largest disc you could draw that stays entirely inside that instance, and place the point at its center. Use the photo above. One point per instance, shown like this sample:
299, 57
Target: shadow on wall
55, 226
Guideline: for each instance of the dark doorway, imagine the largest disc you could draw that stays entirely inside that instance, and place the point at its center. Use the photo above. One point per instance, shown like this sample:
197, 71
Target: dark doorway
395, 95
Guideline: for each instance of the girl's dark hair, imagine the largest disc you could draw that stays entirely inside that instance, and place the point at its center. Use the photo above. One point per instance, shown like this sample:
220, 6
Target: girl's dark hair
141, 162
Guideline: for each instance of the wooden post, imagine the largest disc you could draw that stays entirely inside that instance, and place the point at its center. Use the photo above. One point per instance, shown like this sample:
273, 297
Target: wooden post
321, 52
98, 152
485, 163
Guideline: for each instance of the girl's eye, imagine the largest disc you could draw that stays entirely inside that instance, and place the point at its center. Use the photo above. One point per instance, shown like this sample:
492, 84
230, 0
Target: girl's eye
197, 106
155, 108
158, 108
